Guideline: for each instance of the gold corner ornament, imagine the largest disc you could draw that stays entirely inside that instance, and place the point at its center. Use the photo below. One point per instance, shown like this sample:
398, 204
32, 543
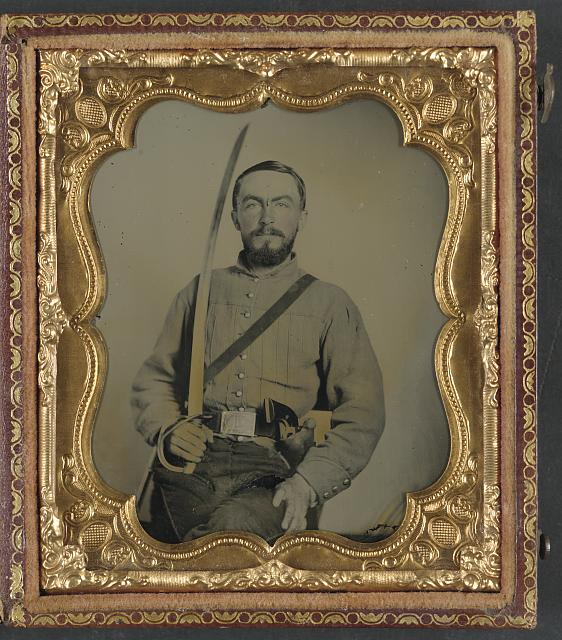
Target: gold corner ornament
526, 19
18, 615
445, 99
64, 566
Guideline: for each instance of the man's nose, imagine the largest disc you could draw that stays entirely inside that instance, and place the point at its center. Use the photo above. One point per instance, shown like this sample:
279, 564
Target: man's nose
268, 213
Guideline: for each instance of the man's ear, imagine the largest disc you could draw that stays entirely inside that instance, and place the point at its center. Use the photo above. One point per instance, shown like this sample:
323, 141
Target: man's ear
302, 219
234, 216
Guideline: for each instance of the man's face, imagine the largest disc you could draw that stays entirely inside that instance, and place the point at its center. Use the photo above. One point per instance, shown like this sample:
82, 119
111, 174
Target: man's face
268, 216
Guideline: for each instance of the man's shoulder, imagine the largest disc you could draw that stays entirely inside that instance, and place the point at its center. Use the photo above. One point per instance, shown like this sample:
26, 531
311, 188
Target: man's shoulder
329, 290
217, 275
328, 298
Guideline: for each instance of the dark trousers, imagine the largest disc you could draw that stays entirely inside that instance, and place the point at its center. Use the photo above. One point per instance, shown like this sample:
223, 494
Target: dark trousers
231, 490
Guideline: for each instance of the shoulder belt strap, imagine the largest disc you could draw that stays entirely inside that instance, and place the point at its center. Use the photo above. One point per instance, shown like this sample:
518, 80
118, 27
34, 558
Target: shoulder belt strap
260, 325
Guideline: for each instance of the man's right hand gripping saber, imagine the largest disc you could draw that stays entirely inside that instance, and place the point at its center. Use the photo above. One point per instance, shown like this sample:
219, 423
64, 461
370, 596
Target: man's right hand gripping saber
186, 440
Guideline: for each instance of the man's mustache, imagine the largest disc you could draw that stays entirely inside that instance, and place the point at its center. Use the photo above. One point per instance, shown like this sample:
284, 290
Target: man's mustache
269, 231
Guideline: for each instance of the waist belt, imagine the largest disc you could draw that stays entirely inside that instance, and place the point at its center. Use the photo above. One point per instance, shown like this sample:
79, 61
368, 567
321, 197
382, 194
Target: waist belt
274, 420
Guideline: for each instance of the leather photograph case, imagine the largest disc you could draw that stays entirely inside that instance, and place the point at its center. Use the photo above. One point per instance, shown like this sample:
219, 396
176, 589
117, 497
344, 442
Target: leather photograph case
268, 313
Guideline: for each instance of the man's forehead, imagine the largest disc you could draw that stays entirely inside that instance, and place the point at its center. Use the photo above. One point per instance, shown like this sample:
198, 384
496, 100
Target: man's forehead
267, 182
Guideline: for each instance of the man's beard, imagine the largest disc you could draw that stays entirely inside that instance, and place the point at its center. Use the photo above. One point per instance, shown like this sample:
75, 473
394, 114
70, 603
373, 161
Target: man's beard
265, 256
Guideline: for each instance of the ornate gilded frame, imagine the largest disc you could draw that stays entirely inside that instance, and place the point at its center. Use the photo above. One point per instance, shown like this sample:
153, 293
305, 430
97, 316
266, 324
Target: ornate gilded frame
450, 88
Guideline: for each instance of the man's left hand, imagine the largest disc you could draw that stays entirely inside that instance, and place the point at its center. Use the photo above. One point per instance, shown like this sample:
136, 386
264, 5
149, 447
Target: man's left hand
298, 497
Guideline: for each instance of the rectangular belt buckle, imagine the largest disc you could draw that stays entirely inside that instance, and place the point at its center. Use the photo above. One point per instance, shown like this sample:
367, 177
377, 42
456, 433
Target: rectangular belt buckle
238, 423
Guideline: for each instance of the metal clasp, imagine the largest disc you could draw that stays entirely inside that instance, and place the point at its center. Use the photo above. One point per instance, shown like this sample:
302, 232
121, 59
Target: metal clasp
546, 91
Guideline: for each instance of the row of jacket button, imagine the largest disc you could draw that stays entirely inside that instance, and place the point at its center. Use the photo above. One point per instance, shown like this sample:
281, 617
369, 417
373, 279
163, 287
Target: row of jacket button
335, 490
243, 356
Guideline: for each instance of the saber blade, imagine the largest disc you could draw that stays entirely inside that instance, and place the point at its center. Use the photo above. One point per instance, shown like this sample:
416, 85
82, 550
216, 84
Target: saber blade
197, 369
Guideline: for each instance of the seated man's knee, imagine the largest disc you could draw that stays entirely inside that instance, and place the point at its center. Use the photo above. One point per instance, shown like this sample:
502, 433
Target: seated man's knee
233, 517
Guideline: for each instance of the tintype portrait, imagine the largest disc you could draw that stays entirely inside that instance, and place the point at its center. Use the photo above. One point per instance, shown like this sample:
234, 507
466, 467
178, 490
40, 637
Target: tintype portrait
309, 353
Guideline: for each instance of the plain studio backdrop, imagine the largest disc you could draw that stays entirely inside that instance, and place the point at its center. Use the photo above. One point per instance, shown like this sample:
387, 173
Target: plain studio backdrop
376, 216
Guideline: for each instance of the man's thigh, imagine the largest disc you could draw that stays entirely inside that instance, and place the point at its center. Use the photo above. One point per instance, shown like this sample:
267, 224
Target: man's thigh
179, 502
231, 490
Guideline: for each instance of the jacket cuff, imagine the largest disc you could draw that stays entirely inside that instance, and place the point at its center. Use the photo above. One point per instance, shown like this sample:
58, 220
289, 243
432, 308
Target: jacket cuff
327, 478
150, 431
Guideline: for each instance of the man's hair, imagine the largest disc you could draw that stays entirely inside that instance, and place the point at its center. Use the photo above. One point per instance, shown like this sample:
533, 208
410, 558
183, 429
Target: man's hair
270, 165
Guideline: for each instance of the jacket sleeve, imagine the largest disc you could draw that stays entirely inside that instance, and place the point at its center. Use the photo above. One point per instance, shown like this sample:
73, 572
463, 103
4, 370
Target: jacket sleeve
160, 386
354, 390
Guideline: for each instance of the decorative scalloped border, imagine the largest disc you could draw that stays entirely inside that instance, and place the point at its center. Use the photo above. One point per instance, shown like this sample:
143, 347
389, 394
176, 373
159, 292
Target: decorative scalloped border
14, 210
24, 25
523, 25
336, 618
526, 439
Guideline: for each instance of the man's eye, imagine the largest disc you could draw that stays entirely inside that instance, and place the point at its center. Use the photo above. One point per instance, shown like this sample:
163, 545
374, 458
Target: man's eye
282, 203
250, 205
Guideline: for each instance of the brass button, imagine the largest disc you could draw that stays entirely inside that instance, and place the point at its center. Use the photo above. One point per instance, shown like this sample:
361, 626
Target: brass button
241, 408
335, 489
346, 482
251, 294
327, 494
241, 375
243, 356
238, 394
246, 314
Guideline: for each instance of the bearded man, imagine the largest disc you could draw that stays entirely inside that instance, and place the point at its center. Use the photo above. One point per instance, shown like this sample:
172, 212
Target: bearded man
315, 353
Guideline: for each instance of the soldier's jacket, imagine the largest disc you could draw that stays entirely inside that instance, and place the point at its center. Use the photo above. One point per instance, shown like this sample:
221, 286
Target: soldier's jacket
316, 355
